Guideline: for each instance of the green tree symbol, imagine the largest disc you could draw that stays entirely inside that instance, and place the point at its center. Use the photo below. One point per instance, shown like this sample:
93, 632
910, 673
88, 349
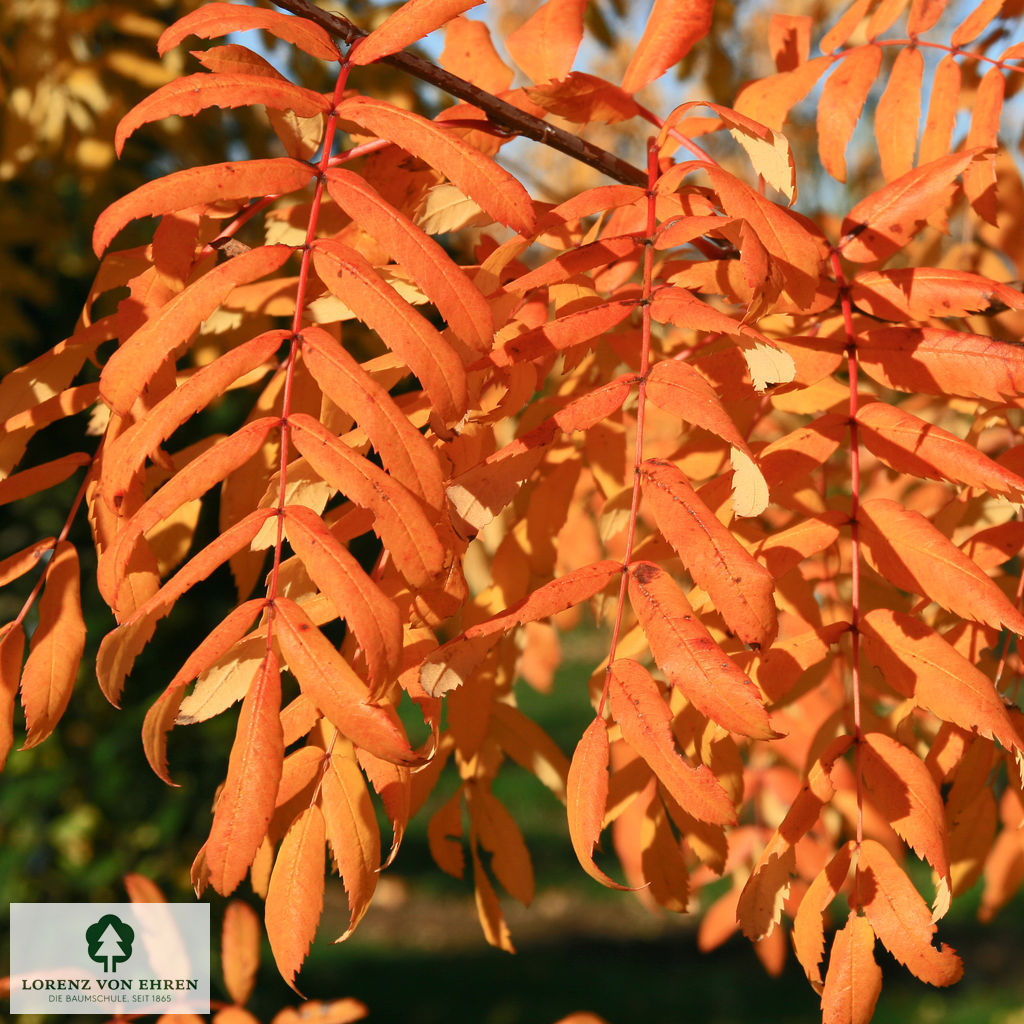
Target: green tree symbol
110, 942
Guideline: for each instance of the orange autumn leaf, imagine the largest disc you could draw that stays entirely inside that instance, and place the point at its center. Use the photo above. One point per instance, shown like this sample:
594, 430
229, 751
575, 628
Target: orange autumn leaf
899, 110
809, 922
398, 518
406, 332
421, 409
907, 549
331, 683
545, 45
220, 19
450, 665
406, 25
12, 649
475, 174
911, 445
372, 616
247, 800
673, 29
587, 797
854, 979
888, 220
740, 587
685, 652
645, 720
352, 833
935, 362
295, 898
444, 282
240, 950
917, 293
921, 665
905, 791
842, 100
133, 365
900, 917
56, 648
189, 95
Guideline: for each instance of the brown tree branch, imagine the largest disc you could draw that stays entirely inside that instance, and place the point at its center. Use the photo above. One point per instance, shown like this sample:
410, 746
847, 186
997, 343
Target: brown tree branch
498, 112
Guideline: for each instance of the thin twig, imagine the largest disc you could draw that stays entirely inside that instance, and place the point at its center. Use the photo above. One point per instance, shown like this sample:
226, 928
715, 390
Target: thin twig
498, 112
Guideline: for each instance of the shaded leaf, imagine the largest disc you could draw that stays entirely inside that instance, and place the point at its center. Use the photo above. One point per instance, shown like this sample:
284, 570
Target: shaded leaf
910, 445
240, 950
353, 834
450, 664
57, 645
887, 220
921, 665
12, 650
937, 362
912, 553
917, 293
904, 791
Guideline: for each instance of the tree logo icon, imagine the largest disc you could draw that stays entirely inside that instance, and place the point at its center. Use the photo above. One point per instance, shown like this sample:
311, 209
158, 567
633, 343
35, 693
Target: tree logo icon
110, 942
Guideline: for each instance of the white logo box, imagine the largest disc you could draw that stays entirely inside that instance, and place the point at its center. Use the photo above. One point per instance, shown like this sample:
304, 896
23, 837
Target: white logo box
110, 958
